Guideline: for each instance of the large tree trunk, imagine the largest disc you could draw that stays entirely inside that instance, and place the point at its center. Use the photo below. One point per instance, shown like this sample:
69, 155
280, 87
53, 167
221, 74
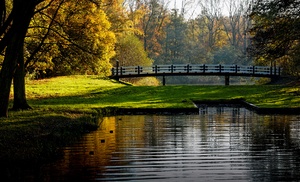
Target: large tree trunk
8, 67
20, 102
22, 14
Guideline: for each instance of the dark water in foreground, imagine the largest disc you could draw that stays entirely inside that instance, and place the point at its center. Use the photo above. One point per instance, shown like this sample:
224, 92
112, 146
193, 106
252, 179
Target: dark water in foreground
219, 144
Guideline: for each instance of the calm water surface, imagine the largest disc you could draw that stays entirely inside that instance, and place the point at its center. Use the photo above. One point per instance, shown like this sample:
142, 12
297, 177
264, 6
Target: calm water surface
218, 144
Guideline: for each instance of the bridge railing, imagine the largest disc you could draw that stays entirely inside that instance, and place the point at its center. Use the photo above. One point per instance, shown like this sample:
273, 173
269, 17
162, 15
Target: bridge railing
196, 68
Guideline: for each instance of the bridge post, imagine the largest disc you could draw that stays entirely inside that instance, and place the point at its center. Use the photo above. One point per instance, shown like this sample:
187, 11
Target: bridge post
271, 70
274, 67
226, 80
164, 80
117, 68
113, 71
138, 70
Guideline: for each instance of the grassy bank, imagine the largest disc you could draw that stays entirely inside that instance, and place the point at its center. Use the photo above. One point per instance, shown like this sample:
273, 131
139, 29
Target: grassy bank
65, 108
80, 93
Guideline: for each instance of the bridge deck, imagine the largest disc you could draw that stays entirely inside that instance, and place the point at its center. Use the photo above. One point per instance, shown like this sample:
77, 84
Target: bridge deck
195, 69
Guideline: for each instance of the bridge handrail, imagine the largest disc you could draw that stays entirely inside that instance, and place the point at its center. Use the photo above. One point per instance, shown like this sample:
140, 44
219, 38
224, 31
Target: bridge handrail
196, 68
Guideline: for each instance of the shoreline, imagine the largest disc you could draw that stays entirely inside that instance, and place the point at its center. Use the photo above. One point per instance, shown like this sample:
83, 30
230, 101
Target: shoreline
198, 104
243, 103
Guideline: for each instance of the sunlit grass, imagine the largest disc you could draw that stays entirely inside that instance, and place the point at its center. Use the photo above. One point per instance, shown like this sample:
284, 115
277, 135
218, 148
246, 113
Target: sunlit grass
67, 86
85, 93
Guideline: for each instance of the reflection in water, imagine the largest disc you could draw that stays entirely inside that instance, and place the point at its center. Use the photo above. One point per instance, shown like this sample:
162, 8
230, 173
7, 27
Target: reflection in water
218, 144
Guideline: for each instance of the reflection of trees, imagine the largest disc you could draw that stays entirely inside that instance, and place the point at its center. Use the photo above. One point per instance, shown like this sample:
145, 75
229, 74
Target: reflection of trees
84, 159
271, 130
262, 144
233, 138
224, 126
272, 148
267, 143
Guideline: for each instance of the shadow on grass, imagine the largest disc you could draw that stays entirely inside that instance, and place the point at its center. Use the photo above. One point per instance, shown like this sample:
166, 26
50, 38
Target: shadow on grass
156, 97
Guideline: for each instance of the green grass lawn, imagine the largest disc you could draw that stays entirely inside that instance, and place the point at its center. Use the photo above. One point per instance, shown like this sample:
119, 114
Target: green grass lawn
65, 107
84, 93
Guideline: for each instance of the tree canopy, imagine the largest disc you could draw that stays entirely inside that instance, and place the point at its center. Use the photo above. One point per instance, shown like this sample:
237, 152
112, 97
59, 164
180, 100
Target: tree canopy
275, 33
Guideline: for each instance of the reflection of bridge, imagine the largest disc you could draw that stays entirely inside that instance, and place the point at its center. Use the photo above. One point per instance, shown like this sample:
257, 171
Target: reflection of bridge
195, 69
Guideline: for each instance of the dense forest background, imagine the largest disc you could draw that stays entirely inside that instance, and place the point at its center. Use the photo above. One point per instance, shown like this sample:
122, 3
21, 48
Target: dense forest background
86, 37
68, 37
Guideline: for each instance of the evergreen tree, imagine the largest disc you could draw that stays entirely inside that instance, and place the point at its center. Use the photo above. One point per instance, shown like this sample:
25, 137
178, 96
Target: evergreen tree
174, 46
275, 33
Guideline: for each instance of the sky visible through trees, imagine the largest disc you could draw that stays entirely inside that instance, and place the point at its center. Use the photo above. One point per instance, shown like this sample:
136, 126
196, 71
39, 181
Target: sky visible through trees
192, 8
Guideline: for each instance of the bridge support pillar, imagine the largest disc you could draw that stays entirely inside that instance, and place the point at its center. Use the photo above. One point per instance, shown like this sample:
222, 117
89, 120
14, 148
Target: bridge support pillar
227, 80
164, 80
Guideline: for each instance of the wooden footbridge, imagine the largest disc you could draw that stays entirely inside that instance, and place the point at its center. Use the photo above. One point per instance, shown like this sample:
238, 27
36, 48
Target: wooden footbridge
194, 70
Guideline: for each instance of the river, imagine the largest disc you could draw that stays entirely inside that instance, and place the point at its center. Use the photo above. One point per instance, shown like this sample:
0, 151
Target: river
218, 144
